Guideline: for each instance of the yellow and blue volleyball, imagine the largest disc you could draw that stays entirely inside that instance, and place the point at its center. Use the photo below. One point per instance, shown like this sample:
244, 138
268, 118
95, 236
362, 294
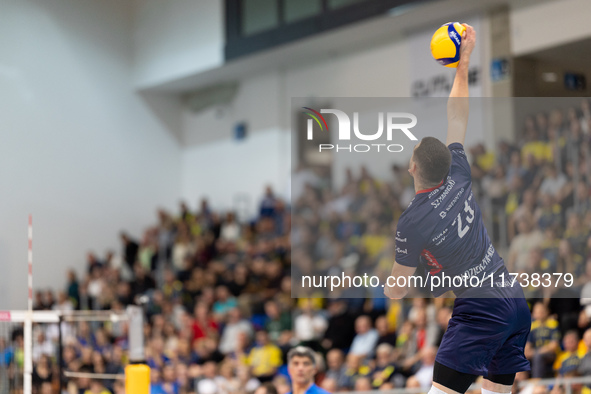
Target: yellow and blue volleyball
445, 44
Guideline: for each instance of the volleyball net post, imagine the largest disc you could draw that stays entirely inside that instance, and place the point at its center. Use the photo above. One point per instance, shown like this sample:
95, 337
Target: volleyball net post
15, 324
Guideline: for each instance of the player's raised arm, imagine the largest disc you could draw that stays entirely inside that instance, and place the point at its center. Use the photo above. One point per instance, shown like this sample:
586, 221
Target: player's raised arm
457, 105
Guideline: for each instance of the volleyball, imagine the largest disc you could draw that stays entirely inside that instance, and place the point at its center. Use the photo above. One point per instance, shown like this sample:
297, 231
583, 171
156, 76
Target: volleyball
445, 44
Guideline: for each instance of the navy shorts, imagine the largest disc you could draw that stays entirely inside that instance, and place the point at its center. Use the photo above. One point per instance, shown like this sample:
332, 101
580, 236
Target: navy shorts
487, 335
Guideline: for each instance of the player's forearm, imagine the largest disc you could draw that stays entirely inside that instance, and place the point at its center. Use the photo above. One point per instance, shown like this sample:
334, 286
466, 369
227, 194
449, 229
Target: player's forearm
458, 105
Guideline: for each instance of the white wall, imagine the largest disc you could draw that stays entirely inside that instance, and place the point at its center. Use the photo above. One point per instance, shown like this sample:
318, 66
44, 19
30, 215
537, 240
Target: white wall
79, 149
217, 167
233, 174
541, 26
175, 38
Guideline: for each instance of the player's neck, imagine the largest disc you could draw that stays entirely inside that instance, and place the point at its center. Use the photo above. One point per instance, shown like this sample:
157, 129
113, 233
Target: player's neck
420, 188
301, 388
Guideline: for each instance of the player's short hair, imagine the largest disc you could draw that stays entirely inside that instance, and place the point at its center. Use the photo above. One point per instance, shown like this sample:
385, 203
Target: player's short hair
433, 160
302, 351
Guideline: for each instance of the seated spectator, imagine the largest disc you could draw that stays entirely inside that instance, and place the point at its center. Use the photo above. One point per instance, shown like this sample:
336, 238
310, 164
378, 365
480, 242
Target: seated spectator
363, 383
352, 372
542, 343
167, 384
526, 208
309, 326
335, 365
553, 181
366, 338
234, 326
330, 385
385, 334
550, 250
549, 213
277, 321
42, 371
264, 358
224, 302
527, 239
207, 383
569, 261
569, 360
230, 230
424, 334
384, 369
341, 326
576, 234
424, 375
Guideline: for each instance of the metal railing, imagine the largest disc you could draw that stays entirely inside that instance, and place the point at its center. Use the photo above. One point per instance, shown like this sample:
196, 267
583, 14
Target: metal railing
567, 383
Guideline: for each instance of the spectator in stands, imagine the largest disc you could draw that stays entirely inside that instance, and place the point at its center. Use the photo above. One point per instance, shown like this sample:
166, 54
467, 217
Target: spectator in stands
341, 326
543, 342
42, 371
385, 334
528, 238
424, 334
264, 358
553, 182
63, 304
549, 213
309, 326
527, 208
384, 369
234, 326
208, 382
366, 338
72, 288
568, 261
143, 281
277, 321
569, 360
130, 249
268, 203
230, 231
424, 375
335, 366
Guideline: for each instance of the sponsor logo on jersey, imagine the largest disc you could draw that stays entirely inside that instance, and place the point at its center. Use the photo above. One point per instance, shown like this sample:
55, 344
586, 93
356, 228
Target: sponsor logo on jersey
431, 262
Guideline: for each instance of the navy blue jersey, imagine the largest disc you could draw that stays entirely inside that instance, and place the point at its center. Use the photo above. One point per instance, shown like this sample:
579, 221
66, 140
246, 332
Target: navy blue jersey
442, 229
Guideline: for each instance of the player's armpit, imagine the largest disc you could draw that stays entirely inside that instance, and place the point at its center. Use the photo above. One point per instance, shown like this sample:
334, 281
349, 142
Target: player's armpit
400, 275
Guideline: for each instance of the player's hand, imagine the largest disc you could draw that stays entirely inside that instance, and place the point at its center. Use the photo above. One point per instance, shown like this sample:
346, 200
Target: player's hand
468, 41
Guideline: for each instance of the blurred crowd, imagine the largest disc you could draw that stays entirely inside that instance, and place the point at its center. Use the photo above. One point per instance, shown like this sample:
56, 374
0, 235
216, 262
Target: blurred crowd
217, 291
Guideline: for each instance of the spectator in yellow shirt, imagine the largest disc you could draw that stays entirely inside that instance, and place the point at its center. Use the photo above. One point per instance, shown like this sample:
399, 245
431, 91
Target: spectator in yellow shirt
543, 342
264, 358
568, 360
